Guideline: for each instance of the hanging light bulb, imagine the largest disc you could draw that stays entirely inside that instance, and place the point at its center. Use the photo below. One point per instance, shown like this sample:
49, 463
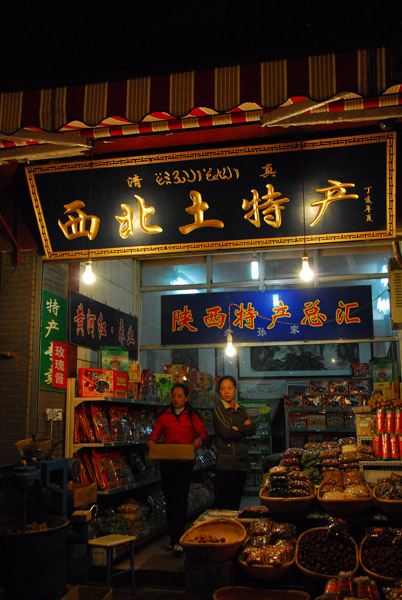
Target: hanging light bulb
88, 275
306, 272
255, 267
230, 349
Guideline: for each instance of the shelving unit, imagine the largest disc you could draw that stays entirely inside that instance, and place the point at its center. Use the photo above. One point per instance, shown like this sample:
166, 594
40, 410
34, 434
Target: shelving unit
260, 445
120, 443
310, 422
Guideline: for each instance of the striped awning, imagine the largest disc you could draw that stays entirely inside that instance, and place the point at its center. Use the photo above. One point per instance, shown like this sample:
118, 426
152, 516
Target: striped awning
358, 80
196, 94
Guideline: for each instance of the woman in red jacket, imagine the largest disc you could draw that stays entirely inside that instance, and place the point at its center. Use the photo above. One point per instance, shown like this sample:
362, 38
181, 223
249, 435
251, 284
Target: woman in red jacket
178, 424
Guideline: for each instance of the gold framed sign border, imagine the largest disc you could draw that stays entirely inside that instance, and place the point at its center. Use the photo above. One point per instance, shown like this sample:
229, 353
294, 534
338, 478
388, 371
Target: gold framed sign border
225, 245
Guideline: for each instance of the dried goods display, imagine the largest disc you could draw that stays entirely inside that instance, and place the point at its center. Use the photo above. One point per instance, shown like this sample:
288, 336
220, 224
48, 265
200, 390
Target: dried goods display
344, 493
389, 488
381, 553
323, 552
269, 550
212, 532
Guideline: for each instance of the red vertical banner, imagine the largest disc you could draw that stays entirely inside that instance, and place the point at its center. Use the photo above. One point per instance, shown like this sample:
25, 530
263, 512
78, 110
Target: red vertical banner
59, 365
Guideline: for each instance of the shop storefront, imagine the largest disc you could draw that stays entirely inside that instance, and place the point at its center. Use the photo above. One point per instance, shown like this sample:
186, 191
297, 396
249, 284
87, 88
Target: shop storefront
199, 241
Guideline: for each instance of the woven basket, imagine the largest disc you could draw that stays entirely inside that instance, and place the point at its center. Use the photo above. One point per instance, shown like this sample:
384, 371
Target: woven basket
392, 508
35, 448
249, 593
230, 531
322, 576
381, 579
265, 572
345, 508
286, 506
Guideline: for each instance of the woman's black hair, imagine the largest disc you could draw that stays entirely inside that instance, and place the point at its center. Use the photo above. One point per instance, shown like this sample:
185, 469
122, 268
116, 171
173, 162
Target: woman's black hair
183, 386
232, 379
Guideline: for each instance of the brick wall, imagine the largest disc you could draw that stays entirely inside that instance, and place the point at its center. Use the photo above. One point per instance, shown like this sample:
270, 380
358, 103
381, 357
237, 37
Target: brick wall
17, 304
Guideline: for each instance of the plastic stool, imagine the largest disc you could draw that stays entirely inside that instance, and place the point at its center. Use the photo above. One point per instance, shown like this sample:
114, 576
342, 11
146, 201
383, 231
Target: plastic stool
109, 542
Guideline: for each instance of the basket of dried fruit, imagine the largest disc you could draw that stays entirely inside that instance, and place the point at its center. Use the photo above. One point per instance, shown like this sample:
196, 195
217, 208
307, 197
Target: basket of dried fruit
215, 540
345, 502
250, 593
269, 550
392, 508
387, 494
287, 492
380, 556
287, 506
322, 552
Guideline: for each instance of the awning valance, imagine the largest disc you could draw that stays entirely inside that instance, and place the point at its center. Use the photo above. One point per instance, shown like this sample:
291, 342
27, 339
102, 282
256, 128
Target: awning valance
201, 94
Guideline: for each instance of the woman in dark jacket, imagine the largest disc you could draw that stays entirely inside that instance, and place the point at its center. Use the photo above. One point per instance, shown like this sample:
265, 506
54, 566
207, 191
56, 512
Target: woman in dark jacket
178, 424
232, 428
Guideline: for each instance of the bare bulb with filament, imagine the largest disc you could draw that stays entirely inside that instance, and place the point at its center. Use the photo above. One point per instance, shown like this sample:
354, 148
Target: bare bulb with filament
88, 275
306, 273
230, 349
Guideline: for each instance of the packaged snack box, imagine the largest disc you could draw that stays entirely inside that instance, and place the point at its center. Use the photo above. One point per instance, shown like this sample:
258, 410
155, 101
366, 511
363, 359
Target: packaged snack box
387, 389
382, 369
319, 386
114, 357
359, 369
97, 383
359, 386
312, 402
164, 381
338, 386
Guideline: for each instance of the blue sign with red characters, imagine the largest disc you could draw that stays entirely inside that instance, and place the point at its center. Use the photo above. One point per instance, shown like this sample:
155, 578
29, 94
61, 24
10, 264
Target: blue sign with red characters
271, 315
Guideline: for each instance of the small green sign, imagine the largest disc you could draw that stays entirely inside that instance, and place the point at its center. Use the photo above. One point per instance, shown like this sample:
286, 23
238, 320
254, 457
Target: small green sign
54, 329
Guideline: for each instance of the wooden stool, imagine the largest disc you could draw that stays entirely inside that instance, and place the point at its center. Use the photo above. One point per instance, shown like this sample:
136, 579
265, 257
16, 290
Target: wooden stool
109, 542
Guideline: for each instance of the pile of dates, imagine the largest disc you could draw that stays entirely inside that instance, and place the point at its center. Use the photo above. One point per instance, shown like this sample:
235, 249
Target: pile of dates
326, 553
382, 552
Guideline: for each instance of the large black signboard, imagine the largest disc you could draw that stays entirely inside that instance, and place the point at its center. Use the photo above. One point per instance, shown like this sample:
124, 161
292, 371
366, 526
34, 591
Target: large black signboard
318, 191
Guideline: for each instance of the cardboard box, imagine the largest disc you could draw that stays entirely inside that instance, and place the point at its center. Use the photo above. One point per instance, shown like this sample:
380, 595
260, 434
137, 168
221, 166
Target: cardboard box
114, 357
172, 452
89, 592
316, 421
98, 383
134, 373
82, 494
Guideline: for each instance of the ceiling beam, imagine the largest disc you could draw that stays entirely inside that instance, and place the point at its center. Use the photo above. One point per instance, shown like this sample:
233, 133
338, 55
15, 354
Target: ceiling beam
345, 116
286, 112
65, 139
40, 152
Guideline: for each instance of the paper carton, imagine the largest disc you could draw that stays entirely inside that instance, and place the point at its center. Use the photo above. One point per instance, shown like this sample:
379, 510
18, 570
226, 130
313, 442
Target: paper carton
97, 383
114, 357
172, 452
82, 494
